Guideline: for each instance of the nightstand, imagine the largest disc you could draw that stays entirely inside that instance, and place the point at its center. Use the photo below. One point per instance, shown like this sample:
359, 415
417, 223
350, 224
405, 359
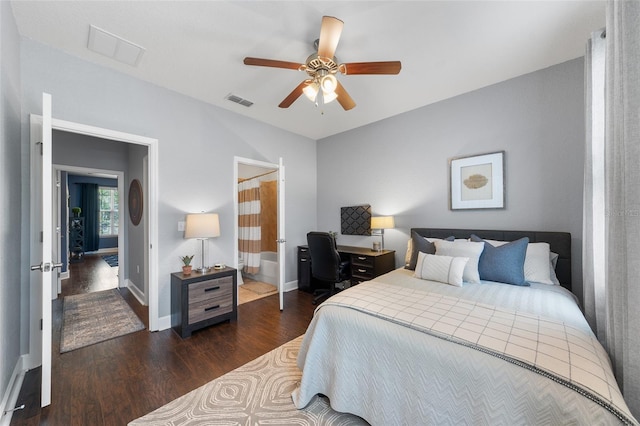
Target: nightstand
200, 300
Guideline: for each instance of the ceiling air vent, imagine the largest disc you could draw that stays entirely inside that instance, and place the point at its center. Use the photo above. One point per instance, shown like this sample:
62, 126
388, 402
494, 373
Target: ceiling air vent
113, 46
239, 100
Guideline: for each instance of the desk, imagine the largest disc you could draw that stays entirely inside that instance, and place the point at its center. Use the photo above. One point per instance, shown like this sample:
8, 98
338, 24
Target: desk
366, 264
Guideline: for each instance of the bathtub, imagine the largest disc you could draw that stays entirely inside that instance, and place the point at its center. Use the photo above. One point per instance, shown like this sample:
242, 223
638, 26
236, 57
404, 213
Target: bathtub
268, 272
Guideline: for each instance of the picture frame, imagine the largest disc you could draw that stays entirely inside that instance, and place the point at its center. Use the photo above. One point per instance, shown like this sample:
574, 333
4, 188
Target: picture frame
355, 220
477, 182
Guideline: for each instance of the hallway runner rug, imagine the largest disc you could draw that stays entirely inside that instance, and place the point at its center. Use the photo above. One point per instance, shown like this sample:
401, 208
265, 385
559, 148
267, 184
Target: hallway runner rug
111, 259
256, 393
95, 317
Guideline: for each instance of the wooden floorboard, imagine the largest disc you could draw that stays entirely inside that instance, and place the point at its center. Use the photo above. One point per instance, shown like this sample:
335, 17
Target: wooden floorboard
114, 382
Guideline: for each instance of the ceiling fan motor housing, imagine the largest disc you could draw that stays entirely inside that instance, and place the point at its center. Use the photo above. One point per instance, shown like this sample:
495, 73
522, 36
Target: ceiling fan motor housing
316, 64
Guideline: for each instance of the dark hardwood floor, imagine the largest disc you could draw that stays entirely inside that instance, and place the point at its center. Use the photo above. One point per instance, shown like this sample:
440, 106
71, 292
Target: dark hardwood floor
114, 382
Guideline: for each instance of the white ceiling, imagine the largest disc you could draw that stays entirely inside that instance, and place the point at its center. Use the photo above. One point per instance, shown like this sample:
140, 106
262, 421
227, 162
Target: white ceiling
446, 48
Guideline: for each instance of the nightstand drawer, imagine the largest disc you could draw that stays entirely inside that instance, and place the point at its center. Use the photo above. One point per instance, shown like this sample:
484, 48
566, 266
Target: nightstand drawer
212, 307
206, 290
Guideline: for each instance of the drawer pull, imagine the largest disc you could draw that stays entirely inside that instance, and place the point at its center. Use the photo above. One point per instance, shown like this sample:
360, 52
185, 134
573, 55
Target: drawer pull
212, 288
303, 260
362, 270
304, 250
211, 308
362, 258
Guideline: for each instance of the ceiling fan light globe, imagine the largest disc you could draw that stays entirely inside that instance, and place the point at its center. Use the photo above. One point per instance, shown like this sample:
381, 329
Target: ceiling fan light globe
329, 83
311, 91
329, 96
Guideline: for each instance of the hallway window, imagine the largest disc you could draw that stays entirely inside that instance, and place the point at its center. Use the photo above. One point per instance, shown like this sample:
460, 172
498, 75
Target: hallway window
108, 200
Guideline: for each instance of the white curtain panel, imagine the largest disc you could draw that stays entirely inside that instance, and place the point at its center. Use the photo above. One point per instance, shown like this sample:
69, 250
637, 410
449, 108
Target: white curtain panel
249, 230
593, 223
622, 176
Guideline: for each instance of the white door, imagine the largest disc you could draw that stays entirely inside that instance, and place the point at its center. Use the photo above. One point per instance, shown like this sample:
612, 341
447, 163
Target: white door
282, 242
41, 242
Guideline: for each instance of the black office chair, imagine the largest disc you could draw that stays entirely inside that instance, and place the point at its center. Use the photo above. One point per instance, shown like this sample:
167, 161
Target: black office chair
326, 264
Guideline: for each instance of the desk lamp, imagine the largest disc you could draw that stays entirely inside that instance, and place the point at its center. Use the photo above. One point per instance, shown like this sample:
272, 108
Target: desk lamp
380, 223
202, 226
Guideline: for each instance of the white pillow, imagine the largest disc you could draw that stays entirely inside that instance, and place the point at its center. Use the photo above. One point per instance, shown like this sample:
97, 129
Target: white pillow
536, 262
407, 255
469, 249
444, 269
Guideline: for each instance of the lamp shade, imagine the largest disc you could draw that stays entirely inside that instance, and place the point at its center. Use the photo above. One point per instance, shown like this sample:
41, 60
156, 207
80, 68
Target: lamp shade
382, 222
202, 225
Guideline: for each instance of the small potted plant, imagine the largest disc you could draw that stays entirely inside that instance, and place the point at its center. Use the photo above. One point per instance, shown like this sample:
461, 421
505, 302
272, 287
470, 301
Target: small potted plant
186, 264
76, 211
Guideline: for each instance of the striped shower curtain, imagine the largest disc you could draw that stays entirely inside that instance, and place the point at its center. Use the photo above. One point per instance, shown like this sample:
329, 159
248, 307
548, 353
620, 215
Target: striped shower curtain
249, 232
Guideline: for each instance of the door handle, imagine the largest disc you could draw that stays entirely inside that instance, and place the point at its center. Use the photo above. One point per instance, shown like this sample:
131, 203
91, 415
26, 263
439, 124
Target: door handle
280, 241
46, 267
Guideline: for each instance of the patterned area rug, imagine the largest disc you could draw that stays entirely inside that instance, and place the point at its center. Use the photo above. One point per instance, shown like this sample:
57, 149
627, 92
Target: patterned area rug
95, 317
111, 259
257, 393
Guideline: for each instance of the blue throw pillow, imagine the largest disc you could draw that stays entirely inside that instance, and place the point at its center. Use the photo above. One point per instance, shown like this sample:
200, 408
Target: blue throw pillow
504, 264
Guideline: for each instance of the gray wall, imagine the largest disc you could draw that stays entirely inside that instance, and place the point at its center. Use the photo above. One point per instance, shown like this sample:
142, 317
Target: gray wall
197, 145
135, 247
400, 165
12, 298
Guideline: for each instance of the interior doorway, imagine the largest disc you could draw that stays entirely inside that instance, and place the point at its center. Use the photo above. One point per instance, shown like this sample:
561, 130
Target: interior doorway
259, 227
65, 202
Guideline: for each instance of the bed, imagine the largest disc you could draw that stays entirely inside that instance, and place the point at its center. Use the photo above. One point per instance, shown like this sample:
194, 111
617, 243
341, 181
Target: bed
402, 349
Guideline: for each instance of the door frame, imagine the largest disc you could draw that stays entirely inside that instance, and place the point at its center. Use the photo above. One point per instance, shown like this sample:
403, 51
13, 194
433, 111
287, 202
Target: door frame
152, 145
281, 246
122, 261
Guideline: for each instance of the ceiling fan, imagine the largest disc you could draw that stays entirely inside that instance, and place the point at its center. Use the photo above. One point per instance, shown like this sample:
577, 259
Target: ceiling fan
322, 86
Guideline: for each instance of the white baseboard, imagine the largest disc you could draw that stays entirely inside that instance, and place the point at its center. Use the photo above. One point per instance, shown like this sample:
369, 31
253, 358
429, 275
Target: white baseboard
64, 275
136, 292
109, 250
164, 323
13, 390
291, 285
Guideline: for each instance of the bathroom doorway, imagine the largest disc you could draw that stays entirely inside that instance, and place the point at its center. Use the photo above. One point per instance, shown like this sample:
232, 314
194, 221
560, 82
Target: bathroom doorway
259, 230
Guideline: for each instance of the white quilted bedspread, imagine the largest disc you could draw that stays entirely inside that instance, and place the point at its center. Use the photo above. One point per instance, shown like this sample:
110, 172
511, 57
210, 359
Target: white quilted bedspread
400, 350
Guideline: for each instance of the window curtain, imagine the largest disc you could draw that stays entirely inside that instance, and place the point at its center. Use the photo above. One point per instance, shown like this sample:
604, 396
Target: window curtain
249, 230
593, 221
622, 176
90, 212
612, 180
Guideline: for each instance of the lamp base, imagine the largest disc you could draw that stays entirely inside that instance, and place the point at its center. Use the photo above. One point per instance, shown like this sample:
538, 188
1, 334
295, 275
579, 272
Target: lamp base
203, 270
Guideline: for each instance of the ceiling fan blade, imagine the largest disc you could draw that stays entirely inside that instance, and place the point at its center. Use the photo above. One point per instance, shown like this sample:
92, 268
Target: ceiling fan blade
343, 97
272, 63
329, 36
386, 67
293, 96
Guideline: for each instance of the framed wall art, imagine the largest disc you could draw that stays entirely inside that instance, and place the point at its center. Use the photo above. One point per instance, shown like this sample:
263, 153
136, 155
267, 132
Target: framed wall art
477, 182
355, 220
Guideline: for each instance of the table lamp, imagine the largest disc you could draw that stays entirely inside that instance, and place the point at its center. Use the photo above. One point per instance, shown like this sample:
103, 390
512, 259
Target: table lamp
380, 223
202, 226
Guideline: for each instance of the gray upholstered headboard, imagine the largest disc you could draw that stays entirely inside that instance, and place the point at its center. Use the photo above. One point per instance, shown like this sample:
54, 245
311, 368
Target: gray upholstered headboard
560, 242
